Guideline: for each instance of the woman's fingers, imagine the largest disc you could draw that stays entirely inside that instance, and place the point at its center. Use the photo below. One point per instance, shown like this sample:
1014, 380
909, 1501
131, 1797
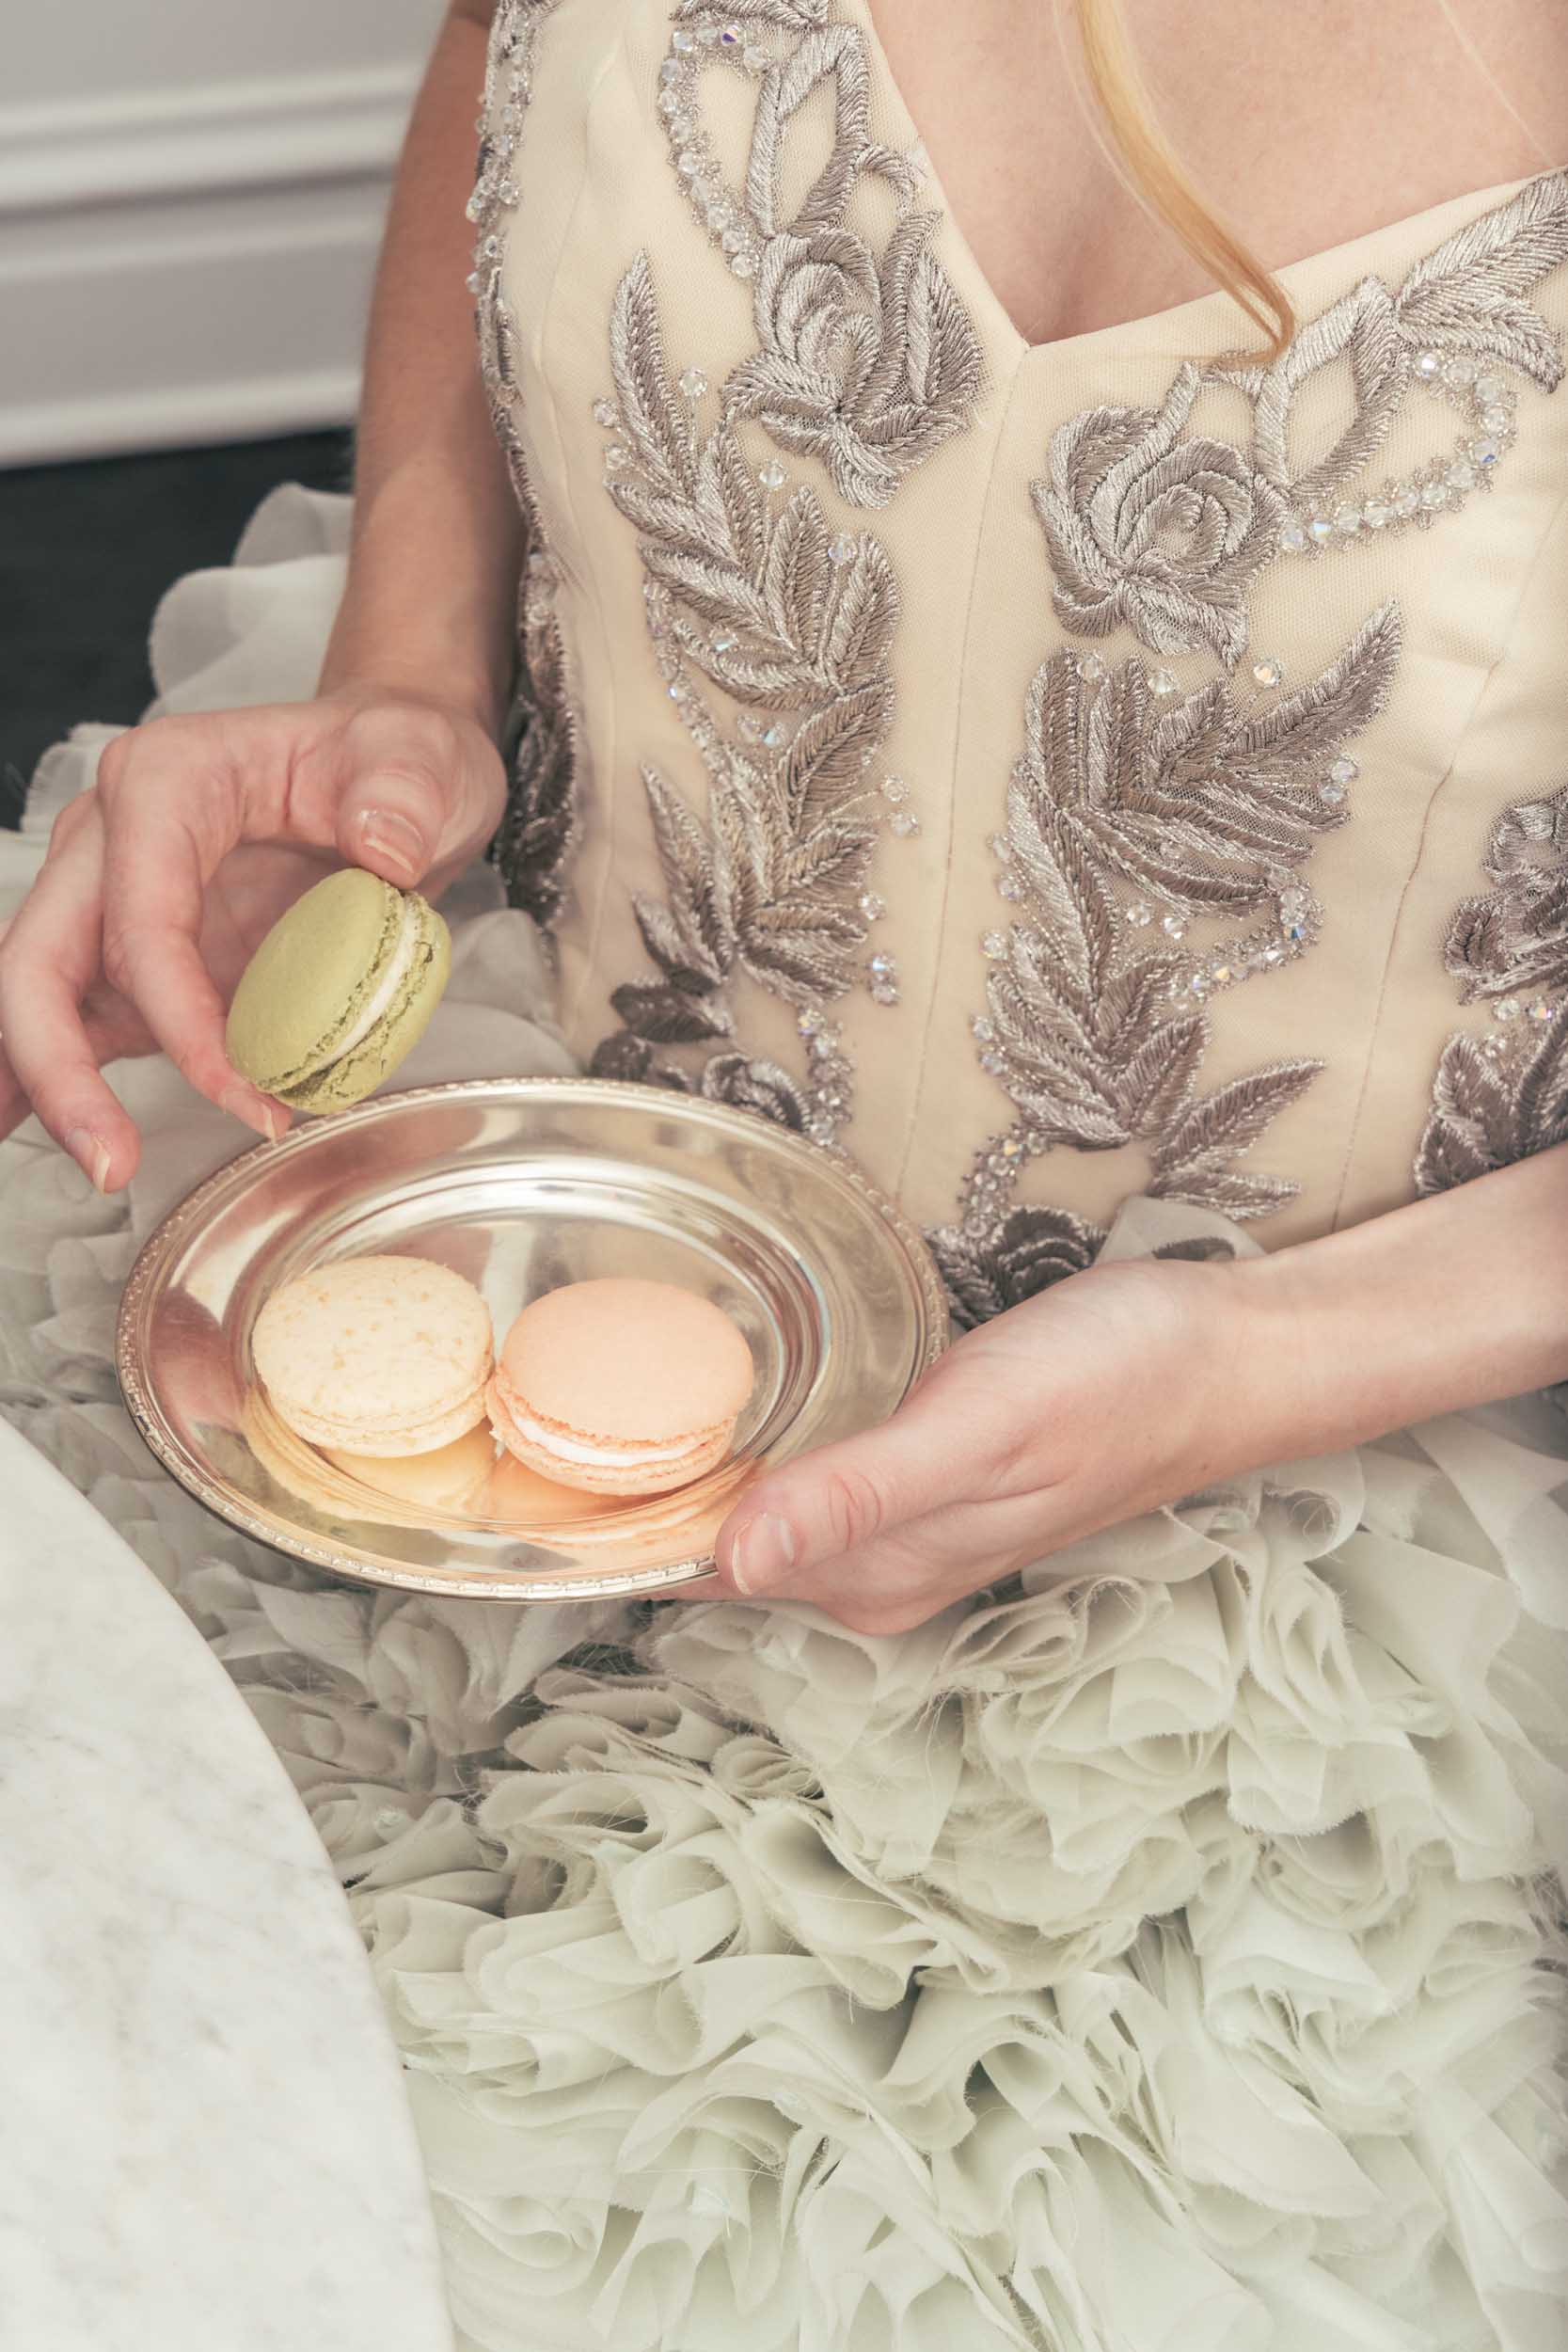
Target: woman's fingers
421, 791
50, 960
173, 808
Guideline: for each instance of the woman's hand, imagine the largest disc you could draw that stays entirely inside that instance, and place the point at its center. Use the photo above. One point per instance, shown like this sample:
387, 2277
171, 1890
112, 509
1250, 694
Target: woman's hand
1126, 1387
161, 880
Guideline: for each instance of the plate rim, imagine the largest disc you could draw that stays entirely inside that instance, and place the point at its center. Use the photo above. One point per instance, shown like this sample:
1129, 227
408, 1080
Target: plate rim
164, 1240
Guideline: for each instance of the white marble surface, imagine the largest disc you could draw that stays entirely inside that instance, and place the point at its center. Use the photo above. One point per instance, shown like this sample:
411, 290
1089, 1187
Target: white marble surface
205, 2144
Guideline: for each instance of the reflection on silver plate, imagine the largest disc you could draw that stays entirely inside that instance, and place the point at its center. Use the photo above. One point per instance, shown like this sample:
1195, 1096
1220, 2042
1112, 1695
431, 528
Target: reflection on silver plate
522, 1184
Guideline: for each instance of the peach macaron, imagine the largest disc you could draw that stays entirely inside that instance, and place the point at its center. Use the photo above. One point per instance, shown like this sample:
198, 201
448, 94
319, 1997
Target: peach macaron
620, 1387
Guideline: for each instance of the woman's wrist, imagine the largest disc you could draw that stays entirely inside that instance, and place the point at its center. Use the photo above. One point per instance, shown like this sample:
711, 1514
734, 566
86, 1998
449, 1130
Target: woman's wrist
1445, 1304
441, 675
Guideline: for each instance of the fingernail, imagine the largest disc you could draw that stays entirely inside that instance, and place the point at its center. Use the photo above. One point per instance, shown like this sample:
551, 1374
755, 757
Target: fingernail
762, 1555
393, 839
251, 1112
91, 1153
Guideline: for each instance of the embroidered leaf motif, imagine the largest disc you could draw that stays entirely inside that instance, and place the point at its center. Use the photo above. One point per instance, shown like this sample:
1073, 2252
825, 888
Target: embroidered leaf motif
1471, 294
1363, 330
1028, 1252
666, 1016
1491, 1108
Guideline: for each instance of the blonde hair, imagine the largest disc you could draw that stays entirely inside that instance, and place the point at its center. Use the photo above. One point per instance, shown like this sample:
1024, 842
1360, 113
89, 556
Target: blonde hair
1155, 173
1158, 176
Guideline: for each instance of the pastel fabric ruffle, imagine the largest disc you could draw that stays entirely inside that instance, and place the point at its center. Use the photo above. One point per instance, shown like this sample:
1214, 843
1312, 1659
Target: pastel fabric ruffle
1160, 1954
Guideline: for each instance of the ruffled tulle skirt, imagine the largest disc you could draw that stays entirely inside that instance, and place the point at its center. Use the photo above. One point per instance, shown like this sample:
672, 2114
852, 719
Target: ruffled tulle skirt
1159, 1955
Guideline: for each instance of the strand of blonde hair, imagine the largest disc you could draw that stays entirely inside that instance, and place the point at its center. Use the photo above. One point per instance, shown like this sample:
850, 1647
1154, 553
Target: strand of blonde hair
1161, 181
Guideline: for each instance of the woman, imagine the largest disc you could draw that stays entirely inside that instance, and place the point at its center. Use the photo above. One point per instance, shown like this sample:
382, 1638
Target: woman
1089, 743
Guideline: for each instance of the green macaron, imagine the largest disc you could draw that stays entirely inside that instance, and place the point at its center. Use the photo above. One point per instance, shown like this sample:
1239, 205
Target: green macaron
341, 989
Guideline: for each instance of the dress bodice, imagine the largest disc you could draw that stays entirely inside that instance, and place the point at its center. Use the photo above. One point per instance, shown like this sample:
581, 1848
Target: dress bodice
1050, 773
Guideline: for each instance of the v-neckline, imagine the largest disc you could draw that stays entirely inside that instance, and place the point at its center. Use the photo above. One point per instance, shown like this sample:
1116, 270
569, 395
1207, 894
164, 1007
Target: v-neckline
1005, 332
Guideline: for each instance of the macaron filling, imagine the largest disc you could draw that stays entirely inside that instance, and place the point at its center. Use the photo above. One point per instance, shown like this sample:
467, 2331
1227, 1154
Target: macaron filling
391, 984
550, 1439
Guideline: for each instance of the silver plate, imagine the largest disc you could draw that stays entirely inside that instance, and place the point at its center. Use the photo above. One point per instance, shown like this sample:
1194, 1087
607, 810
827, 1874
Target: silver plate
522, 1184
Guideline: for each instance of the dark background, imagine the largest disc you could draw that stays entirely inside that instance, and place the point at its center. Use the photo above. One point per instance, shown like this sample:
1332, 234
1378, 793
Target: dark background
86, 552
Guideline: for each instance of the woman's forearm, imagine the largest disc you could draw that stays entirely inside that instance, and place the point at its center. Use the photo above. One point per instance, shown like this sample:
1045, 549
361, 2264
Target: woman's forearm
432, 584
1453, 1301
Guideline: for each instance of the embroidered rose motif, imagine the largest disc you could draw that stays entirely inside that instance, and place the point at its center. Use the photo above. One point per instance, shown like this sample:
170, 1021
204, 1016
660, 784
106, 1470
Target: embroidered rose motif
1163, 533
868, 368
1029, 1250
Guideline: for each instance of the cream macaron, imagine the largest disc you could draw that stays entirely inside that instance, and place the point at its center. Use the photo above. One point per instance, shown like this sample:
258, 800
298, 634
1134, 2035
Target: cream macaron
377, 1355
620, 1387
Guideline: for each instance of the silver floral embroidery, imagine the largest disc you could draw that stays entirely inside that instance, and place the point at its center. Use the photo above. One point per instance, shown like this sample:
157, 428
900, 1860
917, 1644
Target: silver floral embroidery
867, 364
1098, 1040
1460, 318
1499, 1097
538, 830
1164, 534
1095, 1027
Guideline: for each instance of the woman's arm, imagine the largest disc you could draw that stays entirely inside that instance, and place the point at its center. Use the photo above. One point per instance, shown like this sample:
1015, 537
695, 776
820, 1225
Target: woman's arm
1142, 1381
1458, 1300
436, 536
202, 828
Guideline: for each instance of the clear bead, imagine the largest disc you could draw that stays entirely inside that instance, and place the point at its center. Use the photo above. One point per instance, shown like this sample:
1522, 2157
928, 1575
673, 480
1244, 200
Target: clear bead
679, 691
774, 737
606, 413
753, 59
1140, 915
1293, 537
1091, 667
872, 907
1490, 385
983, 1029
1320, 530
995, 944
1331, 794
1541, 1010
1347, 522
617, 457
1495, 419
1377, 513
1174, 926
905, 824
668, 71
1459, 372
475, 207
1406, 499
1161, 682
1429, 364
1486, 452
772, 475
724, 641
732, 36
1220, 974
743, 265
1506, 1009
693, 383
842, 548
809, 1024
1344, 769
509, 193
476, 281
992, 1064
689, 163
1434, 495
1269, 673
1010, 889
751, 729
684, 43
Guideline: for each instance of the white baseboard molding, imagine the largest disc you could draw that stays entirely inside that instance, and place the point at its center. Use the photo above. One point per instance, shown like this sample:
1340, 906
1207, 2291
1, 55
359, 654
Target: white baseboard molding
191, 265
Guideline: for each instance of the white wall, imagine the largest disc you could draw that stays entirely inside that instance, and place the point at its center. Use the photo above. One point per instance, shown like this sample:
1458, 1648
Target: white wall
191, 197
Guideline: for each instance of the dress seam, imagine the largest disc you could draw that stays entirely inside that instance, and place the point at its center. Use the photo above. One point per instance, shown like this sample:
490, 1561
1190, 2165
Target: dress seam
934, 995
1375, 1029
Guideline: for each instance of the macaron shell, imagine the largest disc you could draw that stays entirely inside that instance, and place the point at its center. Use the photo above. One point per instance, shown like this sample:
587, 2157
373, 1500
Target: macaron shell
394, 1037
661, 1474
376, 1355
628, 1362
304, 979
